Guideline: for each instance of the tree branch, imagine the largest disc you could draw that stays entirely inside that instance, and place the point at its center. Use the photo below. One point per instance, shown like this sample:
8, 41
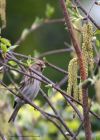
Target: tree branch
87, 124
85, 12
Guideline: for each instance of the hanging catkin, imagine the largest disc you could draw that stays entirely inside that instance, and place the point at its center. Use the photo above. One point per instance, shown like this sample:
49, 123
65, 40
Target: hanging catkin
87, 48
72, 88
72, 78
87, 51
3, 13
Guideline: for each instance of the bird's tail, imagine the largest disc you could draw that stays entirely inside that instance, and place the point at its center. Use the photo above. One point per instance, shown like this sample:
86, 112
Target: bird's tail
14, 114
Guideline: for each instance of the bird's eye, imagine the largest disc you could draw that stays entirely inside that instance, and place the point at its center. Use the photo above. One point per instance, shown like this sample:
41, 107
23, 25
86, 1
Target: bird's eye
41, 68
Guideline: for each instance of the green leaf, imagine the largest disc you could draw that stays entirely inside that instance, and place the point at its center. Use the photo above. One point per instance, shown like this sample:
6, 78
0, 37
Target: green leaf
50, 89
38, 20
4, 48
12, 63
5, 41
24, 33
44, 59
98, 43
49, 11
29, 61
97, 32
36, 54
49, 85
13, 47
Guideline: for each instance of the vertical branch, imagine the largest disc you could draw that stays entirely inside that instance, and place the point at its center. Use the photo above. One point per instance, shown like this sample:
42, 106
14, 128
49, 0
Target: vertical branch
87, 124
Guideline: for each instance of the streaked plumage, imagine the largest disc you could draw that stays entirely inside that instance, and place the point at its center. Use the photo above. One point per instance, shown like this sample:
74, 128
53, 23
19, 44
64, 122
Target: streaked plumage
29, 87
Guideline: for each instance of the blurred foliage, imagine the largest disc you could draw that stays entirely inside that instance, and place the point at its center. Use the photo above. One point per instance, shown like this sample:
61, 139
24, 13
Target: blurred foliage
20, 16
49, 11
47, 37
31, 123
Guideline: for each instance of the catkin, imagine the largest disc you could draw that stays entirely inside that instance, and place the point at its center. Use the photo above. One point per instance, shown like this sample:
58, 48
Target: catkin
72, 88
90, 48
87, 48
85, 57
87, 51
72, 78
80, 92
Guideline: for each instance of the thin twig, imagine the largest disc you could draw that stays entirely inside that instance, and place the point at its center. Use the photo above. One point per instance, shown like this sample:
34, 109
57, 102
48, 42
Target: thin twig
47, 81
23, 97
59, 127
35, 26
85, 12
62, 82
47, 63
56, 67
2, 136
45, 114
78, 131
88, 13
58, 116
56, 113
44, 95
55, 52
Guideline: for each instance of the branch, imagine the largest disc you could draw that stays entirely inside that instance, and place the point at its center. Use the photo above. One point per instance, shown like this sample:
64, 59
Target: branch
58, 126
47, 63
56, 113
35, 26
2, 136
85, 12
56, 52
47, 81
87, 124
45, 114
23, 97
78, 131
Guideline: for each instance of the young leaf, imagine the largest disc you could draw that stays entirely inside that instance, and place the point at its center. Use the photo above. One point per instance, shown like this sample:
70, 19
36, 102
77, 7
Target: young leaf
98, 43
29, 61
4, 48
24, 33
49, 11
36, 54
12, 63
5, 41
50, 89
12, 47
97, 32
38, 20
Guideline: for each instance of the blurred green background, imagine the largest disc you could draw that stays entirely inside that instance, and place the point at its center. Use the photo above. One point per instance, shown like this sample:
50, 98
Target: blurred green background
20, 15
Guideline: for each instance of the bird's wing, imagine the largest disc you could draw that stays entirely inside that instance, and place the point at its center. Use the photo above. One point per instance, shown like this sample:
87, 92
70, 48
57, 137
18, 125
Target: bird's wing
26, 80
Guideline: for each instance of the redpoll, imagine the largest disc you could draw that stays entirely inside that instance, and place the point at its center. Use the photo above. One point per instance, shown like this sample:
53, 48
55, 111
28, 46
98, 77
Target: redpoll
29, 87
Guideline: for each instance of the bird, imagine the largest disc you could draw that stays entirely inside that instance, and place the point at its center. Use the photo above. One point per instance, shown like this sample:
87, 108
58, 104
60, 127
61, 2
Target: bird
28, 86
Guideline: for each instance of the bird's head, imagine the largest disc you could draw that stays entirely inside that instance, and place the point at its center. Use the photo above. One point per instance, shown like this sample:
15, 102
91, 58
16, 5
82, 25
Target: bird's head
41, 64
